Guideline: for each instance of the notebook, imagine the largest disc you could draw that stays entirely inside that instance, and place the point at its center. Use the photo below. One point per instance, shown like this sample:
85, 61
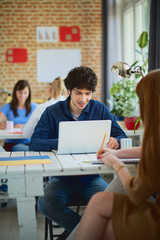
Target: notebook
126, 161
82, 136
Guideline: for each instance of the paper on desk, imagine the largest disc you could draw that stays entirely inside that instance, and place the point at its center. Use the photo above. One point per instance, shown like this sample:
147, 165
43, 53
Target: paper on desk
15, 131
89, 158
25, 160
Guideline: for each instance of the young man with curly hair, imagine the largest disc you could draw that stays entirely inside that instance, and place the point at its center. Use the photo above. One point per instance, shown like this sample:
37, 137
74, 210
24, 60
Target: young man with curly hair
79, 106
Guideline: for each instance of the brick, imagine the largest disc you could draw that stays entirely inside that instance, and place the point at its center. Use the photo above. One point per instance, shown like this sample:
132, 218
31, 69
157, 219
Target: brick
18, 21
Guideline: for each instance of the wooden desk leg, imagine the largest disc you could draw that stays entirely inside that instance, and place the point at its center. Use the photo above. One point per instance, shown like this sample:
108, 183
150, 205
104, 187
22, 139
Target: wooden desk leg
26, 207
27, 218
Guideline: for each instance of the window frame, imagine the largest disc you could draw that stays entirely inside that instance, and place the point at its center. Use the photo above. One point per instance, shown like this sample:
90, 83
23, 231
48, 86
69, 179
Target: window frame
126, 6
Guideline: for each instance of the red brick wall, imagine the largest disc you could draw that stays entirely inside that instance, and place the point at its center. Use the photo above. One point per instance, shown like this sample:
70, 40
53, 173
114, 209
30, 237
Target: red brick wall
18, 22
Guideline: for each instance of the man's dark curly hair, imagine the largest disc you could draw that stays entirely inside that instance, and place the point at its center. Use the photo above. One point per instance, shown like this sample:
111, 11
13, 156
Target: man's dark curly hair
81, 77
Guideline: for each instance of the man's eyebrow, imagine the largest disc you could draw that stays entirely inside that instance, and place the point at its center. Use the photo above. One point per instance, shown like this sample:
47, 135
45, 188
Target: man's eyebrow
77, 90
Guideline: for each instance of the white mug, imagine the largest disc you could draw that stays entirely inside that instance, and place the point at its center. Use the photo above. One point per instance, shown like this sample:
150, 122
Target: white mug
126, 143
9, 125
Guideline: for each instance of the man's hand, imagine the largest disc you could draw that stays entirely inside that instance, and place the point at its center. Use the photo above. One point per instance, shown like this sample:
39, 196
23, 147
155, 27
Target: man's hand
113, 143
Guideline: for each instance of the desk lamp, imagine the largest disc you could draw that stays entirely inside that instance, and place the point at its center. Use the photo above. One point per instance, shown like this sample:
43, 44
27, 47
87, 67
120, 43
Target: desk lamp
124, 70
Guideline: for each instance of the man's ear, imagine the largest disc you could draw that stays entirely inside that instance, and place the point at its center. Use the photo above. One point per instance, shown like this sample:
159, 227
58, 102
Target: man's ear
68, 91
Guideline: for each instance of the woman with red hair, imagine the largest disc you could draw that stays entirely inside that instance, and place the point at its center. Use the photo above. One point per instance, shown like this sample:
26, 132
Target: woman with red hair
132, 216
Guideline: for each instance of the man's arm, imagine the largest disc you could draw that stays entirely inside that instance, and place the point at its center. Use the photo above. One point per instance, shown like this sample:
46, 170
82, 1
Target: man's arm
116, 131
39, 144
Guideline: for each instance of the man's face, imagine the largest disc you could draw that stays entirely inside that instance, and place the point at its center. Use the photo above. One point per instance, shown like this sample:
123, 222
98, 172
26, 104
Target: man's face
79, 99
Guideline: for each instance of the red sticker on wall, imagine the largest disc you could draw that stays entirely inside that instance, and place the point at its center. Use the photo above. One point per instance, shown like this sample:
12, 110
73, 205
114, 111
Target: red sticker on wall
16, 55
69, 34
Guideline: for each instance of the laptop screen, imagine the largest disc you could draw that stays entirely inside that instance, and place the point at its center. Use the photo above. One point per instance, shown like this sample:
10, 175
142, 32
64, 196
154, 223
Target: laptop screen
82, 136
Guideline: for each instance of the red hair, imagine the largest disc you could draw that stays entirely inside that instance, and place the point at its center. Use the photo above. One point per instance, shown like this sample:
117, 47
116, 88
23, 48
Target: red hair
148, 91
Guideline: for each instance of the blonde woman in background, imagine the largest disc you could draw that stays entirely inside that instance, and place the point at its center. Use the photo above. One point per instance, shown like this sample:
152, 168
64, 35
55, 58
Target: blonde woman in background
57, 93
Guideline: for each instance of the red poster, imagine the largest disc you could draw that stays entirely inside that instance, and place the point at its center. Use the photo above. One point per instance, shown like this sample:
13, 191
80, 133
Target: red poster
69, 34
16, 55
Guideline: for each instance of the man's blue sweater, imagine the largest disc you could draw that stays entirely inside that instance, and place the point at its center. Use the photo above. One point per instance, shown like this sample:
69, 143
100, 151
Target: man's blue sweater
45, 136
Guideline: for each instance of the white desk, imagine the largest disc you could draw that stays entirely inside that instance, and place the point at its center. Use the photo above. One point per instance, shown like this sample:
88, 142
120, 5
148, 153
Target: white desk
16, 134
26, 181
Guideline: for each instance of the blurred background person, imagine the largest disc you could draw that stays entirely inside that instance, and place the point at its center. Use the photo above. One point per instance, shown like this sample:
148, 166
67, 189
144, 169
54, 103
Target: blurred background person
19, 111
57, 93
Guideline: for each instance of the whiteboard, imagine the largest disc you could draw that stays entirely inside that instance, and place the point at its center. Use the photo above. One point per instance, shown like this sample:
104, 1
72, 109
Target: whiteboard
53, 63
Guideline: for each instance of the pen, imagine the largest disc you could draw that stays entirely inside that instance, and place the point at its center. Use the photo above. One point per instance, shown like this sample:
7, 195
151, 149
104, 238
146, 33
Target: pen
102, 144
94, 162
87, 161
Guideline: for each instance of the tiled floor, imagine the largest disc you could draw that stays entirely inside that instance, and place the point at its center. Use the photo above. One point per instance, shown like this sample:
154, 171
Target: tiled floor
9, 229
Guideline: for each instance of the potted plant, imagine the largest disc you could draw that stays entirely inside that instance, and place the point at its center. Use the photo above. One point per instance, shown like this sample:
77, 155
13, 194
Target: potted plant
125, 100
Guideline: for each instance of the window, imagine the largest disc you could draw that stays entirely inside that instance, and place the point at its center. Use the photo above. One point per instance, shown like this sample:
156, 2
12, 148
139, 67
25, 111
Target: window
135, 20
128, 36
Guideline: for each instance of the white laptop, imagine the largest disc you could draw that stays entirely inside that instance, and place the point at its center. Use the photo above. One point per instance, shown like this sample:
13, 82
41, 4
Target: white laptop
82, 136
